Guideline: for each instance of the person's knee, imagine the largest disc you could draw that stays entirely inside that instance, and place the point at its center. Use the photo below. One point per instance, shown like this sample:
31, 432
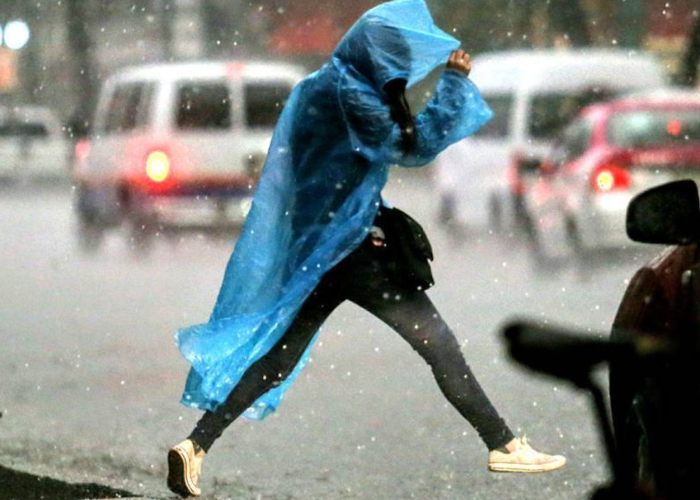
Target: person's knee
275, 370
441, 350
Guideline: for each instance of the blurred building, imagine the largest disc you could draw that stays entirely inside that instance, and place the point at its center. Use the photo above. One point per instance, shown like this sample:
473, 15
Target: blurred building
669, 23
75, 44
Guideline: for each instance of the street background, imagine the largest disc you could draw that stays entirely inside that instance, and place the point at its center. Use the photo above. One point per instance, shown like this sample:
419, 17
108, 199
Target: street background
91, 376
76, 44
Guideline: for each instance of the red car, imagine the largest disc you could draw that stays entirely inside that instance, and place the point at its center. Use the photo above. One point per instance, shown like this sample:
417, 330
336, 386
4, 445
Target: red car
606, 156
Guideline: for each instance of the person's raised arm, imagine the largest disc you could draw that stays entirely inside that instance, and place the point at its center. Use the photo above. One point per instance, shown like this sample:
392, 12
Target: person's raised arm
455, 111
381, 131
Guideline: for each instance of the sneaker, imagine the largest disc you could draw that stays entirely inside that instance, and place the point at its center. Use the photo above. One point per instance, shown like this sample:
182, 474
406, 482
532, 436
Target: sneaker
523, 459
184, 468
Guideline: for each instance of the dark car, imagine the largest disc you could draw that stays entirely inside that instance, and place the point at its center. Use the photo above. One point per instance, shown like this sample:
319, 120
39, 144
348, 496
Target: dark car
656, 403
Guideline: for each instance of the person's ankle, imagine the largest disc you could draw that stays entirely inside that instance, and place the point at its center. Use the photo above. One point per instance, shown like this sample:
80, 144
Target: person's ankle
197, 448
511, 446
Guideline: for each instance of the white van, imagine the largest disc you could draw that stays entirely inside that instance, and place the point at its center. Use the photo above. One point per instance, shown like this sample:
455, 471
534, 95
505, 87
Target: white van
33, 145
178, 146
533, 94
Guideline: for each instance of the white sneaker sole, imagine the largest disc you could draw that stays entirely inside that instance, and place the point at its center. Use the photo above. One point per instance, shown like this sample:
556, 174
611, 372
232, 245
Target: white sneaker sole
527, 468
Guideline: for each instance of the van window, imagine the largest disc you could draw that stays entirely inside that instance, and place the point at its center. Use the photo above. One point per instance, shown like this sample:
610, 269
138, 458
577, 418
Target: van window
29, 130
264, 103
550, 113
575, 142
128, 108
499, 125
204, 106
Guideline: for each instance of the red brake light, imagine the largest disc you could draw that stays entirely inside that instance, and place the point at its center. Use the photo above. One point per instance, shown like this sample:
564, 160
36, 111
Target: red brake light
674, 127
82, 149
608, 178
158, 166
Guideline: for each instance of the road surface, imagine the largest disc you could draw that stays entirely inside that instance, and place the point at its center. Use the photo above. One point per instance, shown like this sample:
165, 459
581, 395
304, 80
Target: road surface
91, 377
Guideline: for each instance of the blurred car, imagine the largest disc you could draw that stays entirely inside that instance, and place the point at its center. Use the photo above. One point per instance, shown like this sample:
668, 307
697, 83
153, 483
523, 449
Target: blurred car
610, 153
534, 94
33, 146
178, 146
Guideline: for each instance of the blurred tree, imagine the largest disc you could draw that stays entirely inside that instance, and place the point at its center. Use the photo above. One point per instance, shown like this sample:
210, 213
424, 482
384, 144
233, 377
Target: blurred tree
568, 19
31, 72
689, 72
218, 25
166, 12
79, 17
237, 28
630, 22
485, 25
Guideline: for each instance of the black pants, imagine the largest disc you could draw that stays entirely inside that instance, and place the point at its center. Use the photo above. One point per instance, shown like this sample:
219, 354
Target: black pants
362, 278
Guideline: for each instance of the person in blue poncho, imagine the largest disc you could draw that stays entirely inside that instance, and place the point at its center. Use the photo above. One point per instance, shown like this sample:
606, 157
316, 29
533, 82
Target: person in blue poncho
318, 234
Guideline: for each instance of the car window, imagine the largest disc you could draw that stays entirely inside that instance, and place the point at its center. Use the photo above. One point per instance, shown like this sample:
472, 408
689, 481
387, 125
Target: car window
264, 103
128, 107
650, 128
574, 142
204, 106
499, 125
577, 138
28, 130
550, 113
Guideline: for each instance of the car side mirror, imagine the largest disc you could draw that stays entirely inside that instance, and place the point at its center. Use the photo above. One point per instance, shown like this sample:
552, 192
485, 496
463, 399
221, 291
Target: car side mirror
668, 214
555, 351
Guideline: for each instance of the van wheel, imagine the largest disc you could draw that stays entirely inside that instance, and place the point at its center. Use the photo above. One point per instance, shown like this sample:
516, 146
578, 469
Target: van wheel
495, 217
573, 237
90, 236
581, 257
447, 210
521, 218
541, 262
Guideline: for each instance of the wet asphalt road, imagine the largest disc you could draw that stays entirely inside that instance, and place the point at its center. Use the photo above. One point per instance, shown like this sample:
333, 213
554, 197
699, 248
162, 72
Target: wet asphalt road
91, 377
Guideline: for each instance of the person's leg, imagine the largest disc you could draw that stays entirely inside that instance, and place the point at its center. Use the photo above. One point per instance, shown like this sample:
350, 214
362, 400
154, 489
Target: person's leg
274, 367
415, 318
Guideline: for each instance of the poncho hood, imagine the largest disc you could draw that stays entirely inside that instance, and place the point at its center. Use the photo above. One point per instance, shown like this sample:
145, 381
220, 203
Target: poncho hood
395, 40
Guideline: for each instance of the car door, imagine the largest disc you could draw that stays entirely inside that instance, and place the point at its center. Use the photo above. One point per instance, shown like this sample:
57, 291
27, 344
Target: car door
9, 151
263, 101
42, 149
204, 131
50, 153
124, 113
472, 174
559, 184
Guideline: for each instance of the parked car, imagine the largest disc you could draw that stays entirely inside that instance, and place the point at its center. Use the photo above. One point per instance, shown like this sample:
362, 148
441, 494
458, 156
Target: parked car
33, 146
656, 400
653, 354
177, 146
610, 153
534, 93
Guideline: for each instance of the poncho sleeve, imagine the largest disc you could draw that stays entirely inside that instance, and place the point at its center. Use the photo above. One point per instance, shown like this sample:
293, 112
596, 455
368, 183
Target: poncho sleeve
455, 111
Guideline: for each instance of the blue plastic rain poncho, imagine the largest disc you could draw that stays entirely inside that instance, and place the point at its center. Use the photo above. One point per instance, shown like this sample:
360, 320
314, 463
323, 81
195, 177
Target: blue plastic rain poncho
320, 189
